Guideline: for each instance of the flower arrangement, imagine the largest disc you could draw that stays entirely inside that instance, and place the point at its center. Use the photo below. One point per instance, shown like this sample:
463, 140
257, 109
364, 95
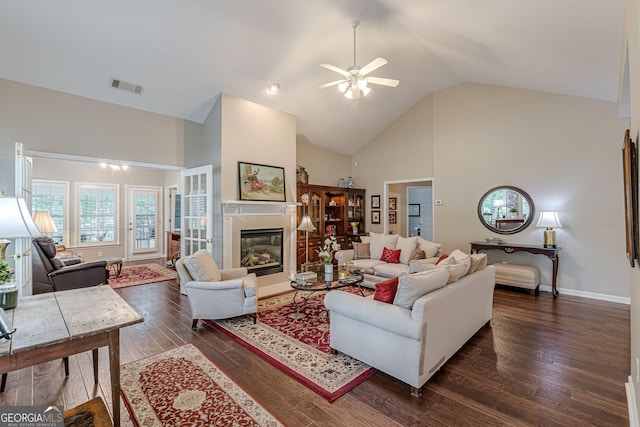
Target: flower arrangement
6, 274
330, 247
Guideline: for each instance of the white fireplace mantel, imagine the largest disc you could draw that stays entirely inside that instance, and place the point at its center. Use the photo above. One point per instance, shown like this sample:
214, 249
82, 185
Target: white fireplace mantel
242, 208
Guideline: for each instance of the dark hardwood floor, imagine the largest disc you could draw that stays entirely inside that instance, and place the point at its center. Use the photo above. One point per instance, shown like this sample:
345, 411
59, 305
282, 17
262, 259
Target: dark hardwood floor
543, 361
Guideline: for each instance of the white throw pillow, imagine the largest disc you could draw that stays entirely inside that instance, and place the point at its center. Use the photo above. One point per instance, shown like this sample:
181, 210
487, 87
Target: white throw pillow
462, 258
381, 241
456, 270
422, 265
415, 285
478, 262
406, 245
202, 267
430, 249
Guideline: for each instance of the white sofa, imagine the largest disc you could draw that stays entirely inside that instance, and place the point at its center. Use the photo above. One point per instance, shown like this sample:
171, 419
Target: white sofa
375, 269
412, 344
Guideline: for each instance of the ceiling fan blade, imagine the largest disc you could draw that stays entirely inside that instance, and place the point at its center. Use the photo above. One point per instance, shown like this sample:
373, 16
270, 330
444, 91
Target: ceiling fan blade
383, 81
336, 69
373, 65
337, 82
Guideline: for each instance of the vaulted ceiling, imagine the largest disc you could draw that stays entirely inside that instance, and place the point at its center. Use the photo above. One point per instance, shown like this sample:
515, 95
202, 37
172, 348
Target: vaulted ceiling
186, 52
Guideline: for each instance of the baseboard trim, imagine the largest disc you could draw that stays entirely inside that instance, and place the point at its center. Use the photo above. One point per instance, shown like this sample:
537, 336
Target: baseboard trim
592, 295
631, 403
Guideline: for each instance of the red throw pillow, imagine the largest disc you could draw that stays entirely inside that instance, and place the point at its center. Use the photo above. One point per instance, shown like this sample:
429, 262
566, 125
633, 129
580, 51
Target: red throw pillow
442, 258
392, 256
386, 291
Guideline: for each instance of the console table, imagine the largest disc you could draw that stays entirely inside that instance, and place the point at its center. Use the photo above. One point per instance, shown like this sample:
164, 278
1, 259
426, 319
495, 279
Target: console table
551, 253
59, 324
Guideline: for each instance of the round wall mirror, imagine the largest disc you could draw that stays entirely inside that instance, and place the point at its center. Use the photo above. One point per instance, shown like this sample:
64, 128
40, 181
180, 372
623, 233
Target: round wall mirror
506, 210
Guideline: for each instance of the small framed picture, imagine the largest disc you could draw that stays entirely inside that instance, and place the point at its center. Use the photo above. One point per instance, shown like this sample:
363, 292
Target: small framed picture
414, 209
392, 203
375, 202
392, 217
375, 217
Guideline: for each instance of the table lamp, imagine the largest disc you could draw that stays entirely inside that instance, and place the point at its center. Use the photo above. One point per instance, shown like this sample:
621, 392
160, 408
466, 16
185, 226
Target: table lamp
306, 225
44, 222
549, 220
15, 222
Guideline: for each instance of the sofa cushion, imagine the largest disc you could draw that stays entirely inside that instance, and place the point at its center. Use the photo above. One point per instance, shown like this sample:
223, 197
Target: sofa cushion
442, 258
390, 270
202, 267
406, 245
386, 290
421, 265
413, 286
367, 264
381, 241
478, 262
429, 248
417, 254
47, 245
390, 255
361, 251
456, 269
462, 258
57, 263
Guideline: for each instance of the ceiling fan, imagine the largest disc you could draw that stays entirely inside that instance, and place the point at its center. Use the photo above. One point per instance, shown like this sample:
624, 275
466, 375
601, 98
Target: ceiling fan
354, 83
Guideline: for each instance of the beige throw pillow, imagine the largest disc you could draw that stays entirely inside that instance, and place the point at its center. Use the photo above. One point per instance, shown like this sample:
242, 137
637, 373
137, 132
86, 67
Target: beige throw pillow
361, 251
415, 285
429, 248
381, 241
478, 262
417, 254
456, 270
202, 267
406, 245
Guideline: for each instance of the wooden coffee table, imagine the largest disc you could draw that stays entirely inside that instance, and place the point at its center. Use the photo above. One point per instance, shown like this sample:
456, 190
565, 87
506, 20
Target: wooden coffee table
306, 288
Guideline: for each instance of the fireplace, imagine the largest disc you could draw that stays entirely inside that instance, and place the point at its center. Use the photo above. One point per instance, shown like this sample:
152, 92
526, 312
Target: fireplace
261, 250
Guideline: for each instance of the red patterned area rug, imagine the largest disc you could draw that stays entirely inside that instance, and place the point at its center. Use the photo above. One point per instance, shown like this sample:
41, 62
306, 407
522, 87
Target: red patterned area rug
296, 341
183, 387
133, 275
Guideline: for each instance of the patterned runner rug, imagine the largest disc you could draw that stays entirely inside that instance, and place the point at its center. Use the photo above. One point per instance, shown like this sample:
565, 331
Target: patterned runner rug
133, 275
296, 341
182, 387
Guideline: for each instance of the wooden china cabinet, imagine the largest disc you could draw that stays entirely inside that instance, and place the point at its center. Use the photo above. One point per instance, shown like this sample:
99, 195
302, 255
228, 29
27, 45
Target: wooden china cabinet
331, 210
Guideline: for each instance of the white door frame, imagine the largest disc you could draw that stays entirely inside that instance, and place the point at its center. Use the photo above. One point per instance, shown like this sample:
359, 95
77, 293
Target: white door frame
385, 201
132, 253
23, 267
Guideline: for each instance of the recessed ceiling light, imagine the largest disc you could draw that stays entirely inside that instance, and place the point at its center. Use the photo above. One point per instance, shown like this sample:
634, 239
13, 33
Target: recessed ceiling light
273, 88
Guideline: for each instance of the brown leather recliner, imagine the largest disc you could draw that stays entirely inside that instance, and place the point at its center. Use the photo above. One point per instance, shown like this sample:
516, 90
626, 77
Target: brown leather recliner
50, 274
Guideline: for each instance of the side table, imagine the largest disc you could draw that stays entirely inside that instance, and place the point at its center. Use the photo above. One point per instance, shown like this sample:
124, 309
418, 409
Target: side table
114, 265
509, 248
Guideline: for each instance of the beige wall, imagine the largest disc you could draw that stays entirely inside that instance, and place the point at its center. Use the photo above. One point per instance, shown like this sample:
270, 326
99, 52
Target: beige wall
45, 120
404, 150
74, 172
324, 167
632, 29
564, 151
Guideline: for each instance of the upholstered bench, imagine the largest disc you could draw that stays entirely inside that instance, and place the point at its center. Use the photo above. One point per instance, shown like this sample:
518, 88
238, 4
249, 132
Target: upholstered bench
519, 276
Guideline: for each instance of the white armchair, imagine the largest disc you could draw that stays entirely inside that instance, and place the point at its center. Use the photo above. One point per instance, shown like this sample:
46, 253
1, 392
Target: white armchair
214, 293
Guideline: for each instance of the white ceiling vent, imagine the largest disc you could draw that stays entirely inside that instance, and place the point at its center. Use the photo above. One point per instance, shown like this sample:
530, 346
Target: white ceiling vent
129, 87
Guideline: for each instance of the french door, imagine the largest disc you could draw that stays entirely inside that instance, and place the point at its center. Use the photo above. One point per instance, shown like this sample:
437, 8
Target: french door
197, 227
23, 268
144, 223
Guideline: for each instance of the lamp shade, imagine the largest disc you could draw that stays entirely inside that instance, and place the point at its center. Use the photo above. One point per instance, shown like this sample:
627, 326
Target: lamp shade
44, 222
306, 224
15, 220
549, 219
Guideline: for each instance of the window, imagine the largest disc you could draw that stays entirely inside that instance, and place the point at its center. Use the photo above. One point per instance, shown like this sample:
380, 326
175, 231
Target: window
52, 197
97, 214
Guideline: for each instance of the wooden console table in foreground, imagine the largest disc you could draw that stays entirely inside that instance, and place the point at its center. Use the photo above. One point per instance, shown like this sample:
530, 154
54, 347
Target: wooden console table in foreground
54, 325
551, 253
